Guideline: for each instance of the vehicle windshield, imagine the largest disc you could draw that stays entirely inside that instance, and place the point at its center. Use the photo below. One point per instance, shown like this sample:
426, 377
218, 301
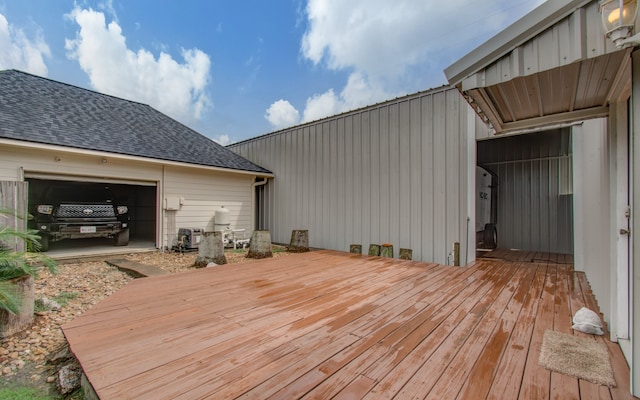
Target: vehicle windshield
80, 193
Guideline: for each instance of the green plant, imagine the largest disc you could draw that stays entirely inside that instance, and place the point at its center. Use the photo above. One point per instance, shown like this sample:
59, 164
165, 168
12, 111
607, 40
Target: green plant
64, 297
14, 264
278, 249
22, 393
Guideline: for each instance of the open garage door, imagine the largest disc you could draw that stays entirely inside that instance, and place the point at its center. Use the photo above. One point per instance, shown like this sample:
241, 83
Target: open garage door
140, 198
534, 210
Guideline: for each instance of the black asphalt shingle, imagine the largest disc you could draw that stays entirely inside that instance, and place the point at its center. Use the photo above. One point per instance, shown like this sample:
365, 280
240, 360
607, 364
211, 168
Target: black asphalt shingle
40, 110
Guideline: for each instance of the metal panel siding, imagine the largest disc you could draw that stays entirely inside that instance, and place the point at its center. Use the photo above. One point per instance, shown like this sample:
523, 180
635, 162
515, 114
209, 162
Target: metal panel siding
393, 172
562, 44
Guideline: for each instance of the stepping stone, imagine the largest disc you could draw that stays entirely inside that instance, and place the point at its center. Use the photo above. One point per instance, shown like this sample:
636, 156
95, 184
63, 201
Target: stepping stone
136, 269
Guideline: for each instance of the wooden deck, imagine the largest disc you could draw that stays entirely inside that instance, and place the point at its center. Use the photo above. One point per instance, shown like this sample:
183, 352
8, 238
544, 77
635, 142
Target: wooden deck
327, 324
527, 256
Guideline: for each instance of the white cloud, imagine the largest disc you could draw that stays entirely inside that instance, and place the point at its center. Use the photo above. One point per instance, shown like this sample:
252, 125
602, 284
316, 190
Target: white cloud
382, 39
322, 105
177, 89
222, 139
281, 114
17, 51
358, 92
390, 48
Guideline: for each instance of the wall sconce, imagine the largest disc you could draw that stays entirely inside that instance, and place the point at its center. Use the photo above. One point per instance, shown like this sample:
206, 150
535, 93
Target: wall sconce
618, 20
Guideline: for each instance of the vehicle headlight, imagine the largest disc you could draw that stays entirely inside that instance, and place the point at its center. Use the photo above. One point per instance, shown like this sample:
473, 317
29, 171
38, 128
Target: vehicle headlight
123, 210
45, 209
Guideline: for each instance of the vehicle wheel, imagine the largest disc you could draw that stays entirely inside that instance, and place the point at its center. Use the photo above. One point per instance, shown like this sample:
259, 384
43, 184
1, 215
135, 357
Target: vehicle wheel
44, 243
490, 237
122, 238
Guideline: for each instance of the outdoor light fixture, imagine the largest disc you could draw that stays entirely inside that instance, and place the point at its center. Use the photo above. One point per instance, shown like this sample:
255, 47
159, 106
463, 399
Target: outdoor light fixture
618, 20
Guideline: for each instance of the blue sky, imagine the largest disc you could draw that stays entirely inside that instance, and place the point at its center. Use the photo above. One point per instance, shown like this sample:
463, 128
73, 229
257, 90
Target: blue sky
235, 69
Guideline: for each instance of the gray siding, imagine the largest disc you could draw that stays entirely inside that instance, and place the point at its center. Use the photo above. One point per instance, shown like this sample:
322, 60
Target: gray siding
394, 172
535, 202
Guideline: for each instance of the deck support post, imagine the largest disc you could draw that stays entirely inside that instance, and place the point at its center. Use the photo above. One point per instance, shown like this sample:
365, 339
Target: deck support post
386, 250
260, 245
406, 254
211, 250
299, 241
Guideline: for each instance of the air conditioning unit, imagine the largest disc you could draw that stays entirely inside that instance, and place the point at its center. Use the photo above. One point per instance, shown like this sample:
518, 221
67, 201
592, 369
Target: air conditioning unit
189, 238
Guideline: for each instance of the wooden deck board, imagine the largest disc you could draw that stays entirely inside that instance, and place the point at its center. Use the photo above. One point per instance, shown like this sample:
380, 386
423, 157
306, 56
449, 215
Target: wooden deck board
336, 325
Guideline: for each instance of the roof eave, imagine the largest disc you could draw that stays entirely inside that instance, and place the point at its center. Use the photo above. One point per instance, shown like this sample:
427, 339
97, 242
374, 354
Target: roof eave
514, 35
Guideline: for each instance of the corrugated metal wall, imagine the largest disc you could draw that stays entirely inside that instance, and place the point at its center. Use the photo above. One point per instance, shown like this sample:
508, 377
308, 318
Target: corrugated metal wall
535, 198
395, 172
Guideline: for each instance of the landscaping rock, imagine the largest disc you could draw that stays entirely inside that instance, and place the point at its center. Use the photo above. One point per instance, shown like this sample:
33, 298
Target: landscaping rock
49, 304
69, 377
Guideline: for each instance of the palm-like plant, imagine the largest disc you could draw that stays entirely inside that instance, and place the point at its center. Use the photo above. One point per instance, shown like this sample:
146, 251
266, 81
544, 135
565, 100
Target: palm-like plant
14, 264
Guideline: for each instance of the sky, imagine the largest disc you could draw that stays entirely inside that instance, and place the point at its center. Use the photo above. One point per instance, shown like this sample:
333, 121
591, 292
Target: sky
236, 69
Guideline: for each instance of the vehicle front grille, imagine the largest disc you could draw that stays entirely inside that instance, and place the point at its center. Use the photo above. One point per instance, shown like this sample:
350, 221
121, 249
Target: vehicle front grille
80, 211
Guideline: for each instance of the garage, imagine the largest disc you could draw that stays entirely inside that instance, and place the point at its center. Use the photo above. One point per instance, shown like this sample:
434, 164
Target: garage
168, 176
138, 197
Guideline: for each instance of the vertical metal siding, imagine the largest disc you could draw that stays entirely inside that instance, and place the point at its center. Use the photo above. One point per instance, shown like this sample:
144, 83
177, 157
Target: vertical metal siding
394, 172
574, 38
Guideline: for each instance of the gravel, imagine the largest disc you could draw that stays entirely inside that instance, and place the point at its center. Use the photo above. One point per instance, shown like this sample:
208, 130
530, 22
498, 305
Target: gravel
76, 287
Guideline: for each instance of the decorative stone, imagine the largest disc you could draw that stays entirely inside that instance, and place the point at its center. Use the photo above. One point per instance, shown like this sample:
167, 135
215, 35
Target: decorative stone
60, 355
69, 378
299, 241
260, 245
49, 304
374, 249
406, 254
210, 250
386, 250
355, 248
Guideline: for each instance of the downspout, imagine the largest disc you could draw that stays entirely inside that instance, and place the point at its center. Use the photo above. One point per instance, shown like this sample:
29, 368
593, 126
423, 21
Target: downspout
254, 186
160, 214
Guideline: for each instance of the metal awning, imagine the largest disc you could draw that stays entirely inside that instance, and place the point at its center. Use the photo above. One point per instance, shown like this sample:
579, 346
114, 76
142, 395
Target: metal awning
577, 91
553, 66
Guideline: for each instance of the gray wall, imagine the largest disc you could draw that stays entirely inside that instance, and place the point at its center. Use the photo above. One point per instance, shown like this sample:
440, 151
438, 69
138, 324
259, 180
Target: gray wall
395, 172
535, 199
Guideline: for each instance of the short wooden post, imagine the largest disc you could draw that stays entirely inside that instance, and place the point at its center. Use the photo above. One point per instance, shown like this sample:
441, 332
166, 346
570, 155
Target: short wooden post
260, 245
456, 254
210, 250
406, 254
386, 250
355, 248
299, 241
374, 249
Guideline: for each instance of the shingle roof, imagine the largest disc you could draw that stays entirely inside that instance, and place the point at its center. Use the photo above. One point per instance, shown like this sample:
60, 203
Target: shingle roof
40, 110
